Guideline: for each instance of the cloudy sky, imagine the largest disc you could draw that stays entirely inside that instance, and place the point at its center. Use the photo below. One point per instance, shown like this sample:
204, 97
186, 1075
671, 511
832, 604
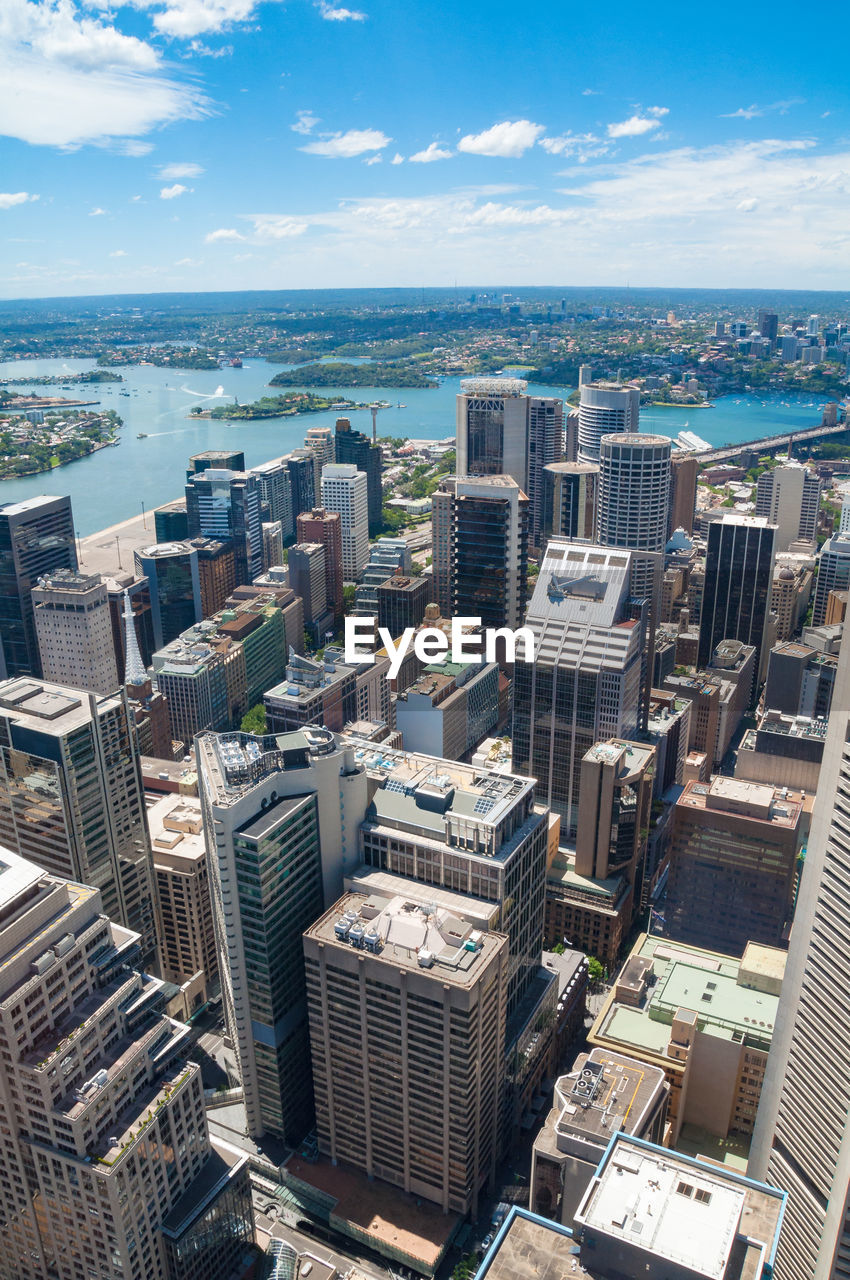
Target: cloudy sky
227, 144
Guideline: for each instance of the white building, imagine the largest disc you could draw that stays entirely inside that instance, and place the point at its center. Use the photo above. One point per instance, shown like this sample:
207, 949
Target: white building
789, 497
345, 490
74, 631
605, 407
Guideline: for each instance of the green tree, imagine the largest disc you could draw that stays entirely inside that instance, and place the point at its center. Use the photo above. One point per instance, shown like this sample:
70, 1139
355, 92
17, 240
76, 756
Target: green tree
348, 596
595, 970
254, 721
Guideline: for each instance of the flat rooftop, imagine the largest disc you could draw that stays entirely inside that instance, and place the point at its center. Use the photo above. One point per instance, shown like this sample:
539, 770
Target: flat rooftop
779, 807
708, 1221
49, 708
704, 982
176, 827
386, 884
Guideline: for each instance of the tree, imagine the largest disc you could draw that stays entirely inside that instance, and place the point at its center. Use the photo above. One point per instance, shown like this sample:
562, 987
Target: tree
595, 970
254, 721
348, 596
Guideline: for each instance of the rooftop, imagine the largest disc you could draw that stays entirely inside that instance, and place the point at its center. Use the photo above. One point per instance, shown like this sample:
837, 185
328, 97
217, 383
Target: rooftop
176, 828
780, 807
234, 762
48, 708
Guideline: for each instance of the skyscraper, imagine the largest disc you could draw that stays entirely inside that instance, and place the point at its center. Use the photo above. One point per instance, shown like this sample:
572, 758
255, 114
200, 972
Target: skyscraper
225, 504
683, 492
789, 497
634, 491
345, 491
768, 323
585, 683
569, 500
802, 1135
480, 544
71, 795
302, 473
738, 586
275, 481
356, 447
36, 537
174, 583
281, 816
833, 574
320, 525
604, 408
104, 1130
503, 431
74, 630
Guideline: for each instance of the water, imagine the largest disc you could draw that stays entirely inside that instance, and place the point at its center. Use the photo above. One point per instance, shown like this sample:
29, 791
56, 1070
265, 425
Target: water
114, 484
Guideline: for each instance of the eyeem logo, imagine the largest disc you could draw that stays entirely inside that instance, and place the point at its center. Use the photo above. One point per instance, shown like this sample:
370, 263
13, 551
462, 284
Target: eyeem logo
430, 644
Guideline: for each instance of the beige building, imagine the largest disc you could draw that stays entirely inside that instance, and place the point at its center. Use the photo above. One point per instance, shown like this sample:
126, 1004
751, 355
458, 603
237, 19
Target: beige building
74, 630
705, 1019
407, 1008
186, 939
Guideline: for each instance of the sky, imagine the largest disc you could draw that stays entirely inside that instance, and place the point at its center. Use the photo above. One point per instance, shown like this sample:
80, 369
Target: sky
160, 145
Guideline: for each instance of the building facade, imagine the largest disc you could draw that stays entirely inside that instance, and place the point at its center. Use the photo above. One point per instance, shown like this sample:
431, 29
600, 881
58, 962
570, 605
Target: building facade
36, 538
345, 491
74, 630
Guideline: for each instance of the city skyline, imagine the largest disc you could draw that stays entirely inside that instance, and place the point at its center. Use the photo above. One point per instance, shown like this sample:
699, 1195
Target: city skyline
167, 141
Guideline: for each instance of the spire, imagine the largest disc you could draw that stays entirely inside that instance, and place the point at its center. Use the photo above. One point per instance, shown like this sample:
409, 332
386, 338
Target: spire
134, 668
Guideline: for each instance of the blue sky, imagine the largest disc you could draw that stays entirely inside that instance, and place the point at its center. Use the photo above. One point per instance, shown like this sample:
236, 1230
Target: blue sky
236, 144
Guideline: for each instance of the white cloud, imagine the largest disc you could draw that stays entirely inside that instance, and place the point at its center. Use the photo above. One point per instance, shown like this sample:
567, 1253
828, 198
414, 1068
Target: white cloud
118, 253
638, 124
754, 111
204, 51
333, 13
510, 139
274, 227
97, 213
223, 233
128, 147
398, 158
747, 206
584, 146
343, 146
305, 122
186, 18
187, 170
10, 198
431, 153
376, 159
171, 193
70, 79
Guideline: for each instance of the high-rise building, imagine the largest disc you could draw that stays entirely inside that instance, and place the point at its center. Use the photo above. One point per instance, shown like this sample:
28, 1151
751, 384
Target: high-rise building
738, 584
833, 574
734, 850
36, 537
321, 525
357, 448
402, 601
104, 1132
216, 459
281, 816
585, 683
503, 431
789, 497
225, 504
683, 492
569, 500
387, 556
74, 630
307, 565
216, 572
634, 492
407, 1008
768, 323
147, 706
449, 708
813, 326
320, 441
605, 408
302, 474
137, 588
345, 491
480, 545
71, 794
330, 693
275, 481
174, 586
170, 522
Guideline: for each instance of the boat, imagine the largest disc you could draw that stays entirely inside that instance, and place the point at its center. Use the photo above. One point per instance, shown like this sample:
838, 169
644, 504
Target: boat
236, 364
143, 435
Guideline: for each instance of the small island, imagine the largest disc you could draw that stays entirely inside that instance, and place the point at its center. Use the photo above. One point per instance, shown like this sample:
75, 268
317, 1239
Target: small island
28, 447
275, 407
164, 357
333, 373
63, 379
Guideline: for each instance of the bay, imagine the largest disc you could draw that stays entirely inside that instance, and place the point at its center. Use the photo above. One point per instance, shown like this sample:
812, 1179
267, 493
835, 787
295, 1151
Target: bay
116, 483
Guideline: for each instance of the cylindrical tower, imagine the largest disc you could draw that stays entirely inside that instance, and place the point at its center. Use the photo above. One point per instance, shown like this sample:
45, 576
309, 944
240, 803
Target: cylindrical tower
634, 491
569, 500
605, 407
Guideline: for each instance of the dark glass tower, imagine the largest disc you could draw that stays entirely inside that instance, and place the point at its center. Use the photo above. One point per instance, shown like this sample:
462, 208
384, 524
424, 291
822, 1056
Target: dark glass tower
36, 537
738, 584
354, 446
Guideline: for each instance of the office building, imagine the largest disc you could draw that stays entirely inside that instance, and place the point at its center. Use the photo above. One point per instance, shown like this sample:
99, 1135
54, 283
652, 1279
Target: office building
737, 588
74, 631
802, 1138
118, 586
170, 522
387, 556
402, 601
36, 538
356, 447
800, 680
281, 818
571, 435
449, 708
788, 496
301, 464
275, 483
307, 566
345, 491
733, 863
174, 588
407, 1008
585, 683
480, 549
272, 544
768, 324
790, 596
104, 1125
225, 504
833, 574
604, 1093
321, 443
782, 750
605, 408
545, 446
71, 794
634, 491
217, 460
668, 729
216, 572
706, 1019
569, 501
147, 706
320, 525
329, 692
187, 946
683, 492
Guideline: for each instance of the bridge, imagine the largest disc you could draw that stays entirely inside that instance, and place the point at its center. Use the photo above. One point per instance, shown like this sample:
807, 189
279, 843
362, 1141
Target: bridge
769, 444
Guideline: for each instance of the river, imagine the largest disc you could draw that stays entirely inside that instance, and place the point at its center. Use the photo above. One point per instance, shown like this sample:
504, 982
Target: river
114, 484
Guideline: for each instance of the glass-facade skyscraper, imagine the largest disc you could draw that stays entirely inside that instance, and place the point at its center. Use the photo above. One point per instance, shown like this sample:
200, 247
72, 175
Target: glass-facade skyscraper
36, 538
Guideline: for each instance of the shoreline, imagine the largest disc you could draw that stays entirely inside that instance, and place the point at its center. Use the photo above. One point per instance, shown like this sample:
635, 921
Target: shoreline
57, 466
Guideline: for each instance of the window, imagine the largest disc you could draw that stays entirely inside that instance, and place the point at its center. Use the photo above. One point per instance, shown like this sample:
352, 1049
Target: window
685, 1189
703, 1196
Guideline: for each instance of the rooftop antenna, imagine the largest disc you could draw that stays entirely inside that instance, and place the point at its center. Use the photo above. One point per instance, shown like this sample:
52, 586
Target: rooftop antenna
134, 667
374, 409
